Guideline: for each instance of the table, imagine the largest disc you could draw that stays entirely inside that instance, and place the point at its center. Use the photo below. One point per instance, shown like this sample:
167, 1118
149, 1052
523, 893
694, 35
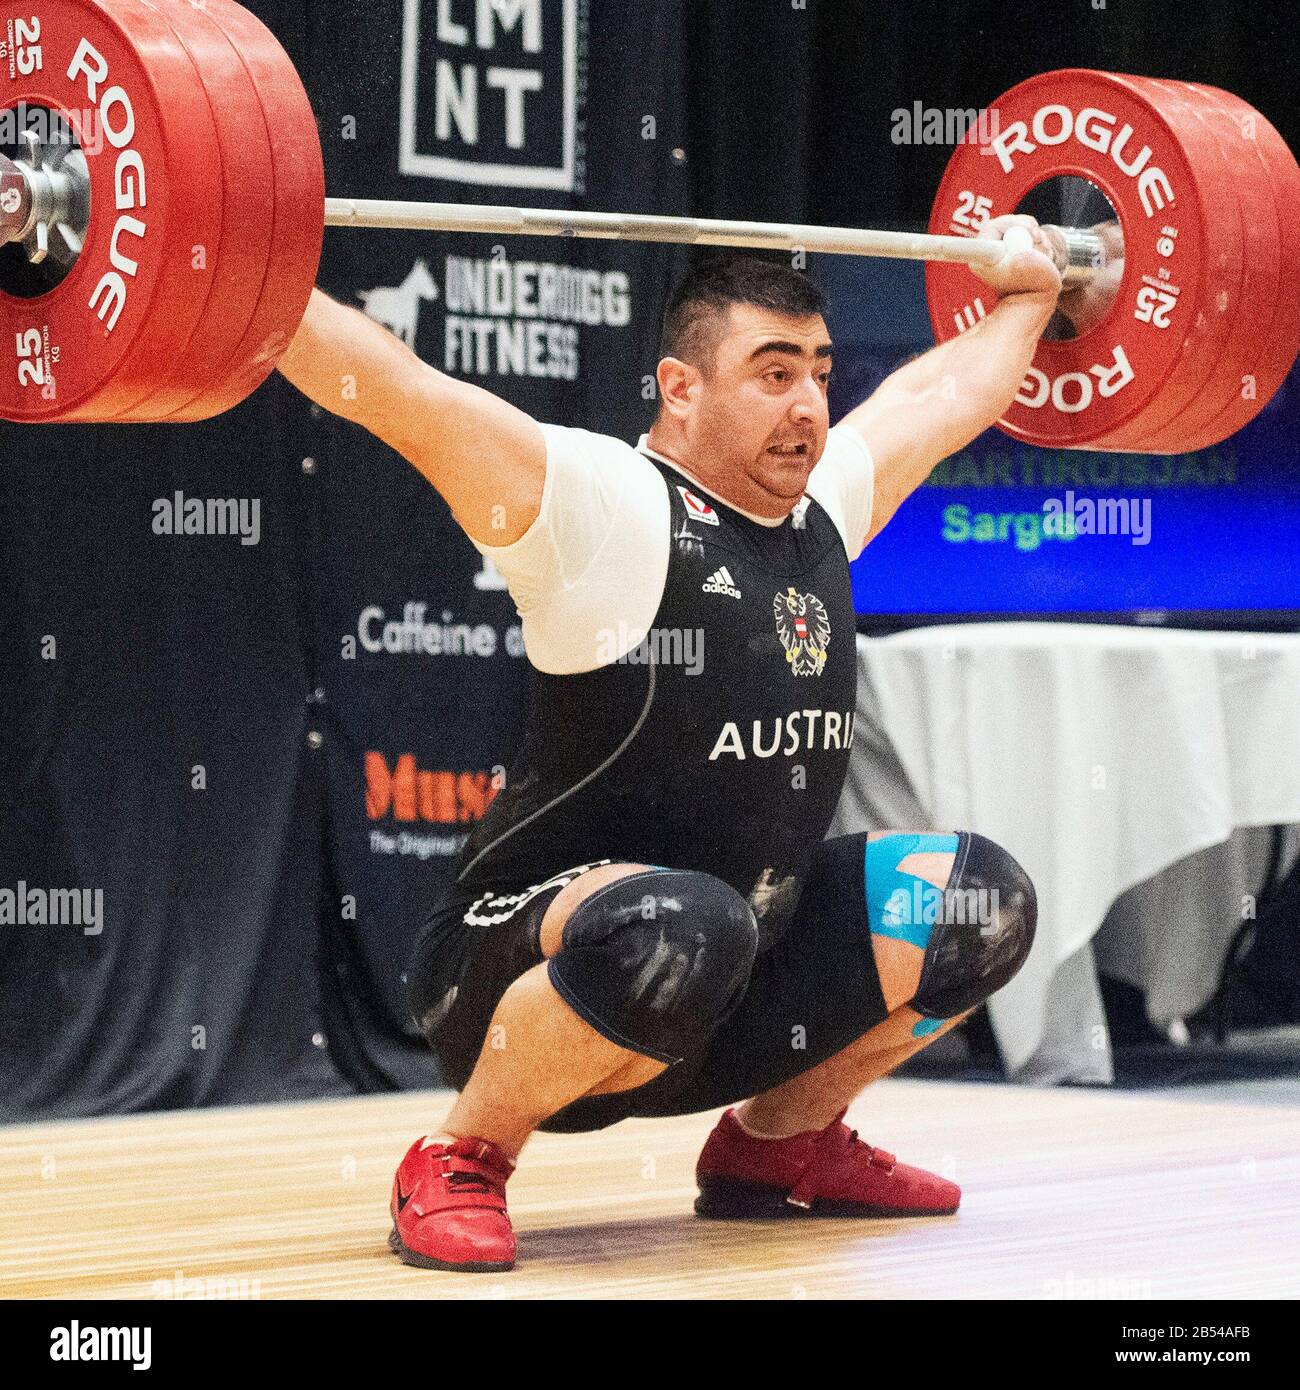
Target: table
1100, 756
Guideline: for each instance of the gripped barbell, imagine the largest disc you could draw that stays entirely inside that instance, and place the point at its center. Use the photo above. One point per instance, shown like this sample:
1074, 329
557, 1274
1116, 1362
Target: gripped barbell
164, 206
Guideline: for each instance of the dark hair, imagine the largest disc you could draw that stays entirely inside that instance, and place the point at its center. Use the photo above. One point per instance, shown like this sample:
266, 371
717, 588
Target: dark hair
696, 318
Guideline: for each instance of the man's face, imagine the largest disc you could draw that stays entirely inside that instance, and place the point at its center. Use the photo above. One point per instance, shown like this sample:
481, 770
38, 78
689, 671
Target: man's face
757, 424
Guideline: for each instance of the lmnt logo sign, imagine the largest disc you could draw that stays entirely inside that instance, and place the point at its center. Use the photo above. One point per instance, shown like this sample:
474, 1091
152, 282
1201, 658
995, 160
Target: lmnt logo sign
491, 91
408, 793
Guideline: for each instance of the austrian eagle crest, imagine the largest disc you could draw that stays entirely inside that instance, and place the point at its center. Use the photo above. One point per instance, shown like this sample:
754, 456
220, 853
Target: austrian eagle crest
804, 628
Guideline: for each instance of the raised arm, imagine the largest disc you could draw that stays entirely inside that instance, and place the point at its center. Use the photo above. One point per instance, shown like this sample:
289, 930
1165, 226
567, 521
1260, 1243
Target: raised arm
938, 403
486, 458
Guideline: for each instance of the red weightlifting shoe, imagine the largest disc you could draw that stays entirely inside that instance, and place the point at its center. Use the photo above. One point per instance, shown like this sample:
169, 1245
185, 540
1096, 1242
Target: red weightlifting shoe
449, 1207
830, 1172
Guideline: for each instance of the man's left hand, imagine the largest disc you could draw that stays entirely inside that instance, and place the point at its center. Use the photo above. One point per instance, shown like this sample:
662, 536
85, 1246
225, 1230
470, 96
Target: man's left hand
1021, 272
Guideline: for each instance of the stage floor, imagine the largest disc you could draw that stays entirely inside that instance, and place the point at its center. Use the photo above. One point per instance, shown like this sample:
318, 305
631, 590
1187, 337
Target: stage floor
1066, 1194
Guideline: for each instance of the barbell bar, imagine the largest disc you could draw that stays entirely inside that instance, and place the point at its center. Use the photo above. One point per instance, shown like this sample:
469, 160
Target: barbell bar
1079, 253
43, 197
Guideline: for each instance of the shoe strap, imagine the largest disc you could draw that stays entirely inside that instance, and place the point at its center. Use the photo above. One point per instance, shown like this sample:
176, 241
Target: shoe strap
835, 1144
482, 1152
467, 1173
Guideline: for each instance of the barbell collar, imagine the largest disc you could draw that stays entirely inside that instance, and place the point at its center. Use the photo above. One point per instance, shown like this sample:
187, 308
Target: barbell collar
48, 192
1085, 255
16, 201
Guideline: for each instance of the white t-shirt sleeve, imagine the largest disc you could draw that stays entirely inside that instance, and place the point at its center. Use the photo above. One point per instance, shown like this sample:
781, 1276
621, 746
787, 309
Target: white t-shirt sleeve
589, 573
585, 482
844, 482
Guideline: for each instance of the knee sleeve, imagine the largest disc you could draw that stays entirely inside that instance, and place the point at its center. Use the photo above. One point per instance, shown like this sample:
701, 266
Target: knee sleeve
657, 961
976, 933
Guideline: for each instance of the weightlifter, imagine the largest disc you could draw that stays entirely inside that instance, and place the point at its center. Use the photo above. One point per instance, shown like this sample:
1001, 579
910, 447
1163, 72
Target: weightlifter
648, 921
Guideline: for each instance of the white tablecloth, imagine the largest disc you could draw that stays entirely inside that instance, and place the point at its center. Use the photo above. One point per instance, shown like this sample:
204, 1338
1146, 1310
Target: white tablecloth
1098, 756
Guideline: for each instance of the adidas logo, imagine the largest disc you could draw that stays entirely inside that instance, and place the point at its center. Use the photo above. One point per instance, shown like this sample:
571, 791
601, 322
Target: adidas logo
721, 582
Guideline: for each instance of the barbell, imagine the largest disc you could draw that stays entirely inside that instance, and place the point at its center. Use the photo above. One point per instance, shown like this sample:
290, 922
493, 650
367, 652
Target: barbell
162, 211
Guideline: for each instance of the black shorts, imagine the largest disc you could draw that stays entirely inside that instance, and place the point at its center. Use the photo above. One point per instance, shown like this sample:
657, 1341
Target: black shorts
810, 995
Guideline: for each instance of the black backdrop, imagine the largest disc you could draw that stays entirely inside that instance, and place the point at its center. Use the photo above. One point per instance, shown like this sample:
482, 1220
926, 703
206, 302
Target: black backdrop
214, 734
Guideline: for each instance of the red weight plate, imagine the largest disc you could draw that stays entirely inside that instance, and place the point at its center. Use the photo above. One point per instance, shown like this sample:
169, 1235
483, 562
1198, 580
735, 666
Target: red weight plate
129, 305
1260, 144
248, 205
1083, 393
299, 224
1243, 255
1259, 234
